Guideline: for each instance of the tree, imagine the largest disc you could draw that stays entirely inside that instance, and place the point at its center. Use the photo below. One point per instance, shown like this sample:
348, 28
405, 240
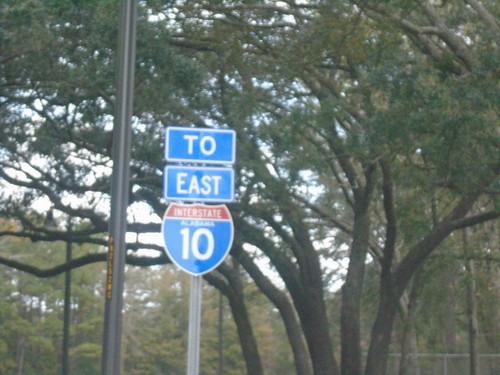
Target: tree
32, 311
366, 126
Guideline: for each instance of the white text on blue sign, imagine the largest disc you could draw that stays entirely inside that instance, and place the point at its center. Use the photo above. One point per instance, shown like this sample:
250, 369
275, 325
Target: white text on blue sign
200, 145
199, 184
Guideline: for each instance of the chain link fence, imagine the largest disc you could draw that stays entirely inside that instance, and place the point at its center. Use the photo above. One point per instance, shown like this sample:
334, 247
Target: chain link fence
443, 364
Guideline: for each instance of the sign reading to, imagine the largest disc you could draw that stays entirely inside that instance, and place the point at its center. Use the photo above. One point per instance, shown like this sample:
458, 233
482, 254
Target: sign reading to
200, 145
197, 237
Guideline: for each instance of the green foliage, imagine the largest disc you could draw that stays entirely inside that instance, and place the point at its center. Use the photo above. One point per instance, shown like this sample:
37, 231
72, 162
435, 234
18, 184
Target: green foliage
319, 93
156, 326
86, 358
31, 311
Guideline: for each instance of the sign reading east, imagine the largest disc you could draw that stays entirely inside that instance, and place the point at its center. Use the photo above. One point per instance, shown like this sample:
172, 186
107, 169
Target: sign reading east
200, 145
197, 237
199, 184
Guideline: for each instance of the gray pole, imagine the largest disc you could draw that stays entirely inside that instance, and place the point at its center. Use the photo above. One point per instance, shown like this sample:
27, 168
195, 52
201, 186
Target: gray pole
195, 297
119, 189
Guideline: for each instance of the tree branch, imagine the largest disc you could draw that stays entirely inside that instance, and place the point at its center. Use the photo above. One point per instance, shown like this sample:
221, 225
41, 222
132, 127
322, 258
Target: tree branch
489, 19
80, 262
391, 227
456, 45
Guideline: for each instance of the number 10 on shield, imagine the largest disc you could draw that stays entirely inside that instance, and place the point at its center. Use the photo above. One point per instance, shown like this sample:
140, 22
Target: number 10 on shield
192, 243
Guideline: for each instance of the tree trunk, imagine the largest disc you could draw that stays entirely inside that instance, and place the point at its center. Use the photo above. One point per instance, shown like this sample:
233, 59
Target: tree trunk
310, 305
233, 290
303, 279
245, 333
408, 339
471, 309
312, 313
378, 353
449, 322
283, 304
21, 350
306, 288
294, 333
473, 326
393, 283
352, 363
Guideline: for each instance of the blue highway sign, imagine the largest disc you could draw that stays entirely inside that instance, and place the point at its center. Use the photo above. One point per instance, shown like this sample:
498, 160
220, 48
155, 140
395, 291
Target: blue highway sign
200, 145
197, 237
199, 184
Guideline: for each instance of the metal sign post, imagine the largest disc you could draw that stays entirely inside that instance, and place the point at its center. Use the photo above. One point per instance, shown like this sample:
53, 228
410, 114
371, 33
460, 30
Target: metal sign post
195, 298
197, 239
197, 236
119, 190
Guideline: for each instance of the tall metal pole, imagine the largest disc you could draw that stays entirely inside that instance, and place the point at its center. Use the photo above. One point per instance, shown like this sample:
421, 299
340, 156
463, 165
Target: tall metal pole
119, 189
195, 298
